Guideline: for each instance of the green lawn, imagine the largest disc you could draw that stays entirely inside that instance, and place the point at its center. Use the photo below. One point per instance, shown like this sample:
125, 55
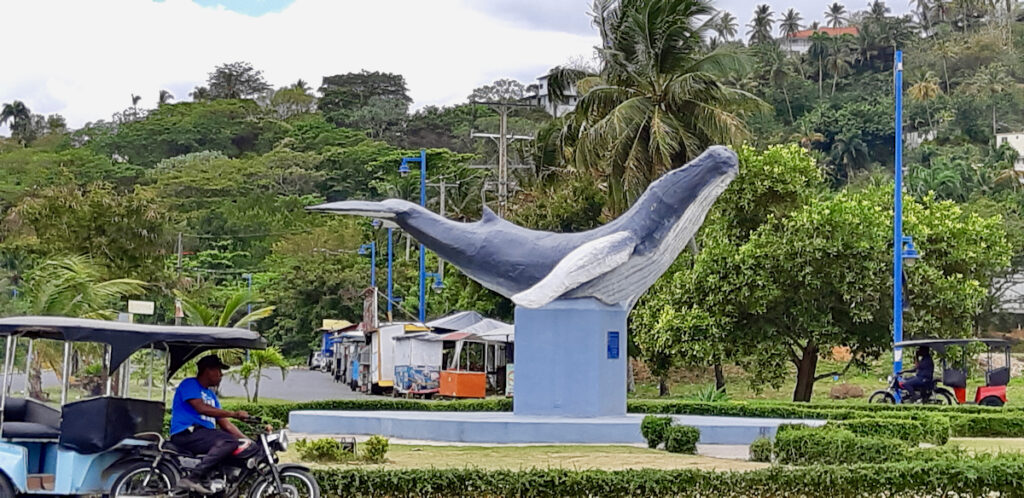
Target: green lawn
579, 457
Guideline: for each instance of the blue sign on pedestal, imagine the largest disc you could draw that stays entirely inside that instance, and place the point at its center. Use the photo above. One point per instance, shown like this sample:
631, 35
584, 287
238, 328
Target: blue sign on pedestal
613, 345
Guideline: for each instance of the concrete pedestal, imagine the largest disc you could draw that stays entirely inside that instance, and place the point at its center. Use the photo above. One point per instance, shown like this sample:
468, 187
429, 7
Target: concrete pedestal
570, 360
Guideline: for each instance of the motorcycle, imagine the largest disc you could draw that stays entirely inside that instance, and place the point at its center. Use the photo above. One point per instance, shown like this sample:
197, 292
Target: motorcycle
897, 394
254, 470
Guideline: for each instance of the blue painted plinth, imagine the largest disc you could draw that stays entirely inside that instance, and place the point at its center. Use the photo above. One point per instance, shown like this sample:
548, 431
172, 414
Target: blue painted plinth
570, 360
499, 427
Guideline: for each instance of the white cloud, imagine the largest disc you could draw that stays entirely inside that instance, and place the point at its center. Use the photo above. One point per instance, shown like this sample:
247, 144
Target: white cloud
85, 59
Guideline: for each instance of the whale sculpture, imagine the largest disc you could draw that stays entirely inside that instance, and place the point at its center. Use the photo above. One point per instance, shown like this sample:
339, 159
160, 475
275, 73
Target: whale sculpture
614, 263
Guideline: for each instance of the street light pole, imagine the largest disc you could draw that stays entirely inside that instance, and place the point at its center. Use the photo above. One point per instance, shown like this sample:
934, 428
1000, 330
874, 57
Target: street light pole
404, 169
897, 240
390, 287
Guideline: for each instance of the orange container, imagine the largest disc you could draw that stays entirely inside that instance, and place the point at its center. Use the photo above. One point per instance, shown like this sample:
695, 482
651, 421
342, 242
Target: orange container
463, 384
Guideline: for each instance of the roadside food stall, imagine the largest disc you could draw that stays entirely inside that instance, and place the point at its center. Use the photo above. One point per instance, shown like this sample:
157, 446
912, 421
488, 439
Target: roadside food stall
347, 343
381, 354
475, 360
417, 364
328, 329
455, 322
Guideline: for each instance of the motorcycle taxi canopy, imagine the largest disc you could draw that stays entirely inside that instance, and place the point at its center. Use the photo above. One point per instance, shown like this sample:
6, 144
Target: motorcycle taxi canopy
182, 343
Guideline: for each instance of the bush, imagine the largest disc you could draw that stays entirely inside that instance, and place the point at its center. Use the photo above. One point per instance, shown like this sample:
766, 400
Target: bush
324, 450
654, 429
761, 450
375, 449
682, 439
994, 476
995, 425
910, 431
831, 446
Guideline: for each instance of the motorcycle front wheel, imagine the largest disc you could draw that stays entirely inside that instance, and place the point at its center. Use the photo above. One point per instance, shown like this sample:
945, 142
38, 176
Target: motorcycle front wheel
296, 483
884, 397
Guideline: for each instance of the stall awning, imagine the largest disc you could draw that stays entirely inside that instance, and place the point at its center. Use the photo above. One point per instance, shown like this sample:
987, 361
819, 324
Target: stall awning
456, 321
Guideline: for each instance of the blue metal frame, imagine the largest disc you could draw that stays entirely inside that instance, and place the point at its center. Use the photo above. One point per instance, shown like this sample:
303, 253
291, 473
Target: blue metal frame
897, 240
391, 297
74, 473
404, 169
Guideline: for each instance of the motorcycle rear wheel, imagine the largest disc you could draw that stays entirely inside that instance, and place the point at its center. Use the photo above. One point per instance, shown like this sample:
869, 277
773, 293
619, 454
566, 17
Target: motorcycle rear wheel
140, 479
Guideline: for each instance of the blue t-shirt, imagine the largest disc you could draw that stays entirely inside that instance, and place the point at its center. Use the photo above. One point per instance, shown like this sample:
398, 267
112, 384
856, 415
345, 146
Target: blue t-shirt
183, 415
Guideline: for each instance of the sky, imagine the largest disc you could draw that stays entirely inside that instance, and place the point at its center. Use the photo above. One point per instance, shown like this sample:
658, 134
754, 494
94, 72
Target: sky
85, 59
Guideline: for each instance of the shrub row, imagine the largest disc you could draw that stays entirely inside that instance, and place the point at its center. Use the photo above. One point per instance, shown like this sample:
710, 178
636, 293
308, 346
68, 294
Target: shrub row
910, 431
833, 446
981, 477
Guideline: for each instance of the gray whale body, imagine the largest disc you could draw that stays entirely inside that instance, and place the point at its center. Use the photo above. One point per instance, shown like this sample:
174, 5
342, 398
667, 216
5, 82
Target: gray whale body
614, 263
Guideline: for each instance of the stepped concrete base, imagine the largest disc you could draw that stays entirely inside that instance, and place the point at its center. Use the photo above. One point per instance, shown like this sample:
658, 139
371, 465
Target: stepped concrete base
504, 427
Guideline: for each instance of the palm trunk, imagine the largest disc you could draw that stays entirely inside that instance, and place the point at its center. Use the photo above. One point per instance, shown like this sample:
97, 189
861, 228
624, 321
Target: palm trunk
835, 79
256, 388
945, 73
630, 377
788, 106
994, 124
35, 381
819, 78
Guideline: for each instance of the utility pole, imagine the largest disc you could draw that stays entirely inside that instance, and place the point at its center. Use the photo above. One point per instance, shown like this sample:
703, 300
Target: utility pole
177, 301
502, 139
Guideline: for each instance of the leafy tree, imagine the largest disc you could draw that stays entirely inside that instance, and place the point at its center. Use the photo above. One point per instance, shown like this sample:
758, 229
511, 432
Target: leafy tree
236, 80
378, 116
343, 94
291, 101
123, 231
20, 118
760, 31
836, 15
991, 83
503, 90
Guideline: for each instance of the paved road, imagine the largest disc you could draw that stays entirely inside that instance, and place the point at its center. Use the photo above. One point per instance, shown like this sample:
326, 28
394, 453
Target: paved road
298, 385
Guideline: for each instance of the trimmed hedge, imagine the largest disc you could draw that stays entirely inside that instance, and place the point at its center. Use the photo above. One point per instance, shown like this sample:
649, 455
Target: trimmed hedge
910, 431
654, 429
1010, 425
761, 450
682, 439
1003, 476
833, 446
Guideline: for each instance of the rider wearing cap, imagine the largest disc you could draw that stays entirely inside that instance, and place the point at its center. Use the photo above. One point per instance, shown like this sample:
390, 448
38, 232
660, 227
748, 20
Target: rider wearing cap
924, 370
199, 425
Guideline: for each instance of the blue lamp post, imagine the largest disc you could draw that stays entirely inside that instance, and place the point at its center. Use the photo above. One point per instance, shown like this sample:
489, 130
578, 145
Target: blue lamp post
903, 251
403, 170
372, 249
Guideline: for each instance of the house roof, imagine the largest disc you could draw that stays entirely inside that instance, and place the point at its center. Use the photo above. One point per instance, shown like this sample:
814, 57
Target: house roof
806, 33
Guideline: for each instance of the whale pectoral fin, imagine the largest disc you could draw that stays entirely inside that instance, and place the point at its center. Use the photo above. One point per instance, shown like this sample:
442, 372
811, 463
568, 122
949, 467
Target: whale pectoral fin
583, 264
384, 210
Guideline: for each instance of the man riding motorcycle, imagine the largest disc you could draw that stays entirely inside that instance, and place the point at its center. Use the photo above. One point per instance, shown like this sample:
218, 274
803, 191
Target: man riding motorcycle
199, 425
924, 370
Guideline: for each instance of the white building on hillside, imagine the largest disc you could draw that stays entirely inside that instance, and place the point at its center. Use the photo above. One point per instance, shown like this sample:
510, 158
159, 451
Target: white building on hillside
541, 97
1015, 140
800, 42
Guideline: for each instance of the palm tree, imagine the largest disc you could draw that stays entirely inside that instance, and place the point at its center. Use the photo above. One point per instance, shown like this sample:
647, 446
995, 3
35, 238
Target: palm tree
806, 135
761, 25
926, 89
839, 59
301, 84
790, 24
991, 82
164, 98
877, 11
778, 71
849, 152
253, 367
924, 13
71, 286
947, 50
836, 15
200, 93
20, 117
819, 50
135, 100
658, 100
899, 31
199, 314
725, 25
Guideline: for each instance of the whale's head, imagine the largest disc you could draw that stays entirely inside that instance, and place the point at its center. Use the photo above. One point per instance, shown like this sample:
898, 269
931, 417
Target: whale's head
689, 191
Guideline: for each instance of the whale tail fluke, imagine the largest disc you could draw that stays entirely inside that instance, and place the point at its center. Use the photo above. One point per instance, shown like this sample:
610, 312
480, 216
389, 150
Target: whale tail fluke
384, 210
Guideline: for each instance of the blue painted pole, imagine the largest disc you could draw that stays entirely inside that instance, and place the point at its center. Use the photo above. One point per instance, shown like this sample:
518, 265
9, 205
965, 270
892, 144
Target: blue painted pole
423, 254
390, 287
373, 264
897, 230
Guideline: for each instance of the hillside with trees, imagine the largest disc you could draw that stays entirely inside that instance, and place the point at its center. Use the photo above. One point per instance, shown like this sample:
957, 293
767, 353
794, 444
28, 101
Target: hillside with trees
793, 261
